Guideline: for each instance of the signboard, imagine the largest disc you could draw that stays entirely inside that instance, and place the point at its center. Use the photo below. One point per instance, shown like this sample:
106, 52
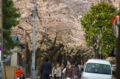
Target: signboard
115, 51
0, 47
0, 55
115, 22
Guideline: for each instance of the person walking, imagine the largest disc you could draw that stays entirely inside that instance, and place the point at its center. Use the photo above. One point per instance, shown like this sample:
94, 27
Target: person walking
68, 71
62, 74
76, 72
45, 69
18, 72
56, 71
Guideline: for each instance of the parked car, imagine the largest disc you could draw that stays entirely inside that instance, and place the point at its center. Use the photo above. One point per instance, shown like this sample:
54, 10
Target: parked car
97, 69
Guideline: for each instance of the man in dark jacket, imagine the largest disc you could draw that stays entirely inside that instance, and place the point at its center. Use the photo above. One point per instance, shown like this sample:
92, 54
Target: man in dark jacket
45, 69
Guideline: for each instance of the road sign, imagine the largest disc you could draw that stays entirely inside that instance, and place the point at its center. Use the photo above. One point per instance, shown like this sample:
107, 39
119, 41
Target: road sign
113, 19
115, 22
33, 69
0, 47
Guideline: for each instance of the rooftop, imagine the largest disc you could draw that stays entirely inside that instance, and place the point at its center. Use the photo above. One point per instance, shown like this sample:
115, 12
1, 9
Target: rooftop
14, 37
101, 61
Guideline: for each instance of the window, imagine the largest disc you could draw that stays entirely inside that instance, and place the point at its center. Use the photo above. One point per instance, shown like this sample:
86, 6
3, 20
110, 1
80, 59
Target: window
98, 68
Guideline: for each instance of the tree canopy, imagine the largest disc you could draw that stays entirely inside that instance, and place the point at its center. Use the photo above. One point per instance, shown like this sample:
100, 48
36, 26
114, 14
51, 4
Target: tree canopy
97, 26
10, 15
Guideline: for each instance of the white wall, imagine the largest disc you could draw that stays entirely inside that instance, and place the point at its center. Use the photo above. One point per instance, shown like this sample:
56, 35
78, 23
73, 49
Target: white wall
17, 49
14, 59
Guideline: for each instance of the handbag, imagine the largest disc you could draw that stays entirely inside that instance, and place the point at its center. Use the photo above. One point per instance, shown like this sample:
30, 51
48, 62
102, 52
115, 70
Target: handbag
17, 77
75, 76
67, 77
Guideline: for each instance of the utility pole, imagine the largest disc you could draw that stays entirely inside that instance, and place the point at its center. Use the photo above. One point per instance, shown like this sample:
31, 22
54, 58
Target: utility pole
25, 48
1, 36
118, 48
33, 74
118, 55
116, 31
1, 30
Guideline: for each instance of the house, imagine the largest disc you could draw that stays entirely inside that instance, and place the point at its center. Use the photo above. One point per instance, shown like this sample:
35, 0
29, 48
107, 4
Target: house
13, 60
16, 58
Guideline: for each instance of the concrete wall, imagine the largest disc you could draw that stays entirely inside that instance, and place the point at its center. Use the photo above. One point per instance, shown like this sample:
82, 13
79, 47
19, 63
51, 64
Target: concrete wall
9, 72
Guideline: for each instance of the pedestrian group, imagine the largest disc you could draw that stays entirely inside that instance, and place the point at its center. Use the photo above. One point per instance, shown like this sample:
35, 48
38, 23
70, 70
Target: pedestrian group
71, 71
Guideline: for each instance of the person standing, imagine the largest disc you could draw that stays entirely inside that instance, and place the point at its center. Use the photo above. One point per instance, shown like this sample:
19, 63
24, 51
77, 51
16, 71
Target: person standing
68, 71
45, 69
76, 72
18, 72
56, 71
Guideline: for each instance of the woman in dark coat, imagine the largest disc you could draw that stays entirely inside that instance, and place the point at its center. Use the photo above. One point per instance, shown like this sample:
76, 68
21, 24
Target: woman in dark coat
76, 72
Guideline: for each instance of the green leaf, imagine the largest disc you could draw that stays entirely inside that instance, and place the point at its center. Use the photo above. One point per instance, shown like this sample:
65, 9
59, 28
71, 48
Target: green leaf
10, 15
97, 26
